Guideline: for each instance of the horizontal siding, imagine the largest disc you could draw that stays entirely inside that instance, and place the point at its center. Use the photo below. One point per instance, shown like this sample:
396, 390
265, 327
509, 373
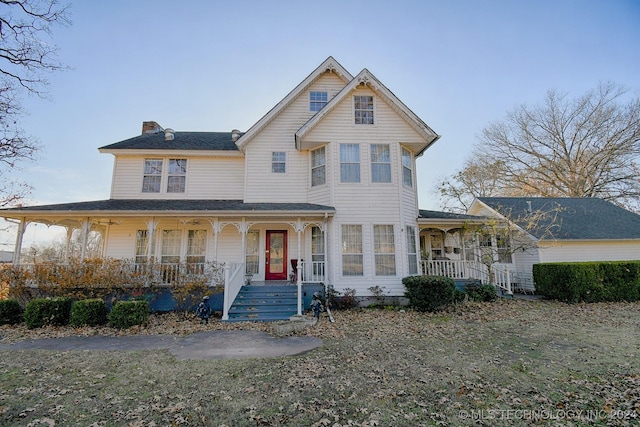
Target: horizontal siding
591, 251
207, 178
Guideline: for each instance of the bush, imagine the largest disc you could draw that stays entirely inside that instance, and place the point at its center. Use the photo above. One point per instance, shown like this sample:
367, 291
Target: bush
483, 293
10, 312
429, 293
126, 314
47, 311
89, 312
341, 302
588, 281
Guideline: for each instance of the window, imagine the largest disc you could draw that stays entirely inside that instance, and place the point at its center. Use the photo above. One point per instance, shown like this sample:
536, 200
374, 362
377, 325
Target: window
363, 110
196, 250
352, 250
380, 163
153, 175
349, 163
384, 249
252, 252
152, 178
278, 161
504, 249
412, 253
407, 170
318, 167
170, 247
142, 246
317, 252
317, 100
177, 175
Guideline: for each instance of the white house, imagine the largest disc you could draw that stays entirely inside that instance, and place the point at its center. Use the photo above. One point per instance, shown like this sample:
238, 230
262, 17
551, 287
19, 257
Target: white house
321, 189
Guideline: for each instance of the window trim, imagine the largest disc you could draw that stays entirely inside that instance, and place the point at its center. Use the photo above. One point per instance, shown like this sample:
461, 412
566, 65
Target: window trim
381, 244
345, 231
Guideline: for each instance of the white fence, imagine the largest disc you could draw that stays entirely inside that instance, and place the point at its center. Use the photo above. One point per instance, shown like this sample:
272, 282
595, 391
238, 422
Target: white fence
499, 276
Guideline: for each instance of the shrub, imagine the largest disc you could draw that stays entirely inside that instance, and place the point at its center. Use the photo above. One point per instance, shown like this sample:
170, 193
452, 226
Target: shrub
10, 312
126, 314
345, 301
588, 281
47, 311
484, 293
89, 312
429, 293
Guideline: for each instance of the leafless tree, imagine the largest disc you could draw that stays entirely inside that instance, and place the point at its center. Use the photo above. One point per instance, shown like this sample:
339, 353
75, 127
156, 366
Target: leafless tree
583, 147
27, 56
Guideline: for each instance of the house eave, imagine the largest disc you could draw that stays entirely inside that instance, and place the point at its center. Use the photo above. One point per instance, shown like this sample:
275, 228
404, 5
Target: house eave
164, 153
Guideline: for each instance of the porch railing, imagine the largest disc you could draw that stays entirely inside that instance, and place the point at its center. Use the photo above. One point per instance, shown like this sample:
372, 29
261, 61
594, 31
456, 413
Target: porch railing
233, 281
313, 271
500, 274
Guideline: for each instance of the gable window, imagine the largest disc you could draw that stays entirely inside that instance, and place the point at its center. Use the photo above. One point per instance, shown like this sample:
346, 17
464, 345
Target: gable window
385, 250
317, 100
278, 162
318, 167
349, 163
412, 253
407, 170
352, 250
152, 178
363, 110
380, 163
177, 176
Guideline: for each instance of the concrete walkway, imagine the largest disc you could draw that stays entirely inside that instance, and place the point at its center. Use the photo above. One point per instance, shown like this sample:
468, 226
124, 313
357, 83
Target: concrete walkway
197, 346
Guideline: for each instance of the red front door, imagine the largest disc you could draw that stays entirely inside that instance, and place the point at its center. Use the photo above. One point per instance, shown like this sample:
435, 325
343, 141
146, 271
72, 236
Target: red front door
276, 255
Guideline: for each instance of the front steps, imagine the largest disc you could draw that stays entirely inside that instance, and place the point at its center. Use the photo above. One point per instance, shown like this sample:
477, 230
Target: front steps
264, 303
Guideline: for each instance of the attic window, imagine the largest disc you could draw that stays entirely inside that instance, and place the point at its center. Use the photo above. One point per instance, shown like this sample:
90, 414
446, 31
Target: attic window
363, 110
317, 100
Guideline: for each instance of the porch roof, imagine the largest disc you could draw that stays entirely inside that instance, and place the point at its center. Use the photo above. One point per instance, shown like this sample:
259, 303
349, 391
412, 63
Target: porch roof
160, 207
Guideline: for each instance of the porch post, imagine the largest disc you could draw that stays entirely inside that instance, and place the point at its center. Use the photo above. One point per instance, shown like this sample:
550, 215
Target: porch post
67, 245
299, 267
226, 302
19, 237
151, 228
86, 227
325, 268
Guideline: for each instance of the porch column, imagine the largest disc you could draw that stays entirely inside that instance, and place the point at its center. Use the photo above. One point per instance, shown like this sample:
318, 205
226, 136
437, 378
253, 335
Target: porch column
22, 226
67, 243
299, 266
226, 303
325, 269
215, 226
244, 227
86, 227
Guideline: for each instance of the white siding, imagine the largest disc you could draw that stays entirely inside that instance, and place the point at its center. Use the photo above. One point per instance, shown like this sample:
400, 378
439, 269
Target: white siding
207, 178
590, 251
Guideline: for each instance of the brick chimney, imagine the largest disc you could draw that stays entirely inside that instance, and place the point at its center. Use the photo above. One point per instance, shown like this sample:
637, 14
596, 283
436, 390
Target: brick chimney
151, 127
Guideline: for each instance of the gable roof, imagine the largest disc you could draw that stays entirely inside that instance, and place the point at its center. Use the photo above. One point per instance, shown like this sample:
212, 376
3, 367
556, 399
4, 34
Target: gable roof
329, 65
216, 141
428, 215
576, 218
365, 78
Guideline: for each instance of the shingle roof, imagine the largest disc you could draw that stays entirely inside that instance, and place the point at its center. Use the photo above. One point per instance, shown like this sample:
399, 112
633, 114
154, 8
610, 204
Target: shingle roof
182, 141
131, 205
426, 214
577, 218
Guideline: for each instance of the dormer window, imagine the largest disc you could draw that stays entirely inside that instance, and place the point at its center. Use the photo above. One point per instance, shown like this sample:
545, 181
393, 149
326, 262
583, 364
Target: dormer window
363, 110
317, 100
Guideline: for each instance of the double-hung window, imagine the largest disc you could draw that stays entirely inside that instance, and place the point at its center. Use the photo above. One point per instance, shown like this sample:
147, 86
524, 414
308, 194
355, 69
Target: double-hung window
174, 176
363, 110
384, 250
317, 100
380, 163
407, 169
196, 249
352, 261
177, 176
317, 252
142, 246
278, 162
349, 163
412, 253
318, 167
152, 178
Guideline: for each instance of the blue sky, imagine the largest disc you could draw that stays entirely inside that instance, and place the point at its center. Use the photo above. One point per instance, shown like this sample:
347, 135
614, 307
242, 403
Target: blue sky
219, 65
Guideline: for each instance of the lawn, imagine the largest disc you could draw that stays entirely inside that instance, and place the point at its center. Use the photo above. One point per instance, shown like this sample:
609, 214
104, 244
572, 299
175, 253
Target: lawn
496, 364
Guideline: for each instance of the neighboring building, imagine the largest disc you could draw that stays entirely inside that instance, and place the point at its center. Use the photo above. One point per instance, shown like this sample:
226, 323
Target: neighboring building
325, 181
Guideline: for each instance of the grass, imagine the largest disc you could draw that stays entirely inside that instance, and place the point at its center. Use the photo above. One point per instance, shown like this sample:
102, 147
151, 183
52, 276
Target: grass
498, 364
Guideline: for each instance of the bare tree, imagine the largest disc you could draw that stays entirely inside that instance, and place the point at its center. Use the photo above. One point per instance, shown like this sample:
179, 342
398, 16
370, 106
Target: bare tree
27, 56
583, 147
